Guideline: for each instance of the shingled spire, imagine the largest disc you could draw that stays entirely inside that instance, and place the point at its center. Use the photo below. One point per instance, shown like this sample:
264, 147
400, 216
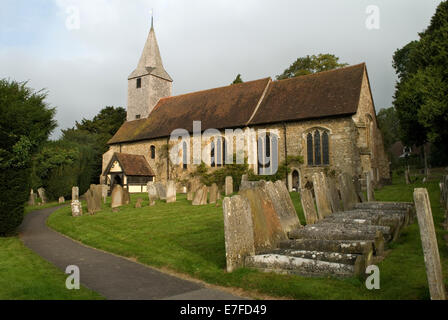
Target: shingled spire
149, 82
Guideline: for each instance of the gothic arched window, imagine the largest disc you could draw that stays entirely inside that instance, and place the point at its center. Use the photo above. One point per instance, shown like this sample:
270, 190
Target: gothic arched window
318, 147
267, 153
325, 148
212, 154
219, 152
153, 152
224, 151
310, 148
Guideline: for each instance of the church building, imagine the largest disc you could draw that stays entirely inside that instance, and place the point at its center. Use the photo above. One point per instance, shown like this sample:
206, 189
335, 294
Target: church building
327, 118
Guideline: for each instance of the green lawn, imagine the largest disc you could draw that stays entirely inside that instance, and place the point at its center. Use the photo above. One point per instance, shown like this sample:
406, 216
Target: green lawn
26, 276
190, 240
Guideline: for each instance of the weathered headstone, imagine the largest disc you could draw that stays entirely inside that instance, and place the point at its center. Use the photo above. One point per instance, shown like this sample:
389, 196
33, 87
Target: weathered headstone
126, 196
268, 231
42, 195
139, 203
94, 199
117, 196
161, 190
75, 193
348, 192
358, 189
104, 191
322, 201
238, 230
229, 186
76, 208
200, 197
152, 193
281, 200
429, 244
61, 200
213, 193
370, 188
170, 191
32, 199
335, 201
308, 206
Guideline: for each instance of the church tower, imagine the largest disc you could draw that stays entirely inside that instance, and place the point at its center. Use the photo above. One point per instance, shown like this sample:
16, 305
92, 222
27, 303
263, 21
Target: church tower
149, 82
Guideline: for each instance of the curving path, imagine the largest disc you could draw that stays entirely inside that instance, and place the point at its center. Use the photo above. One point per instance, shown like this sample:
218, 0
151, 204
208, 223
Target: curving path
111, 276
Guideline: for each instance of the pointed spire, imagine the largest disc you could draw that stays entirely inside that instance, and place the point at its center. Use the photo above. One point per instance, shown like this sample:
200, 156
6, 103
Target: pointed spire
152, 19
151, 60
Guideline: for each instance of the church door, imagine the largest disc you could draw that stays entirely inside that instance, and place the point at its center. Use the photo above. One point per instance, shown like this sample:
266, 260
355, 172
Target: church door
295, 180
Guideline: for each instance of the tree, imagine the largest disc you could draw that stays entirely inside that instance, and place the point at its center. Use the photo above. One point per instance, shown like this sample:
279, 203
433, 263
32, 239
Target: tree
25, 124
421, 97
238, 79
389, 123
311, 64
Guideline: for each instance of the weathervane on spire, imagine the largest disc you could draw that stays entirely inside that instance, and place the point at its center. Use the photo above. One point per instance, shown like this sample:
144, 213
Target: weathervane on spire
152, 18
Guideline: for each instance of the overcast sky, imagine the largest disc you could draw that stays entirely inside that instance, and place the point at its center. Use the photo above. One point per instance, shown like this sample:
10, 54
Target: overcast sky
204, 43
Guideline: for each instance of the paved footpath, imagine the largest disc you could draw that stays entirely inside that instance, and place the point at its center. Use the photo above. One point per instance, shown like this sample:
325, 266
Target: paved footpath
113, 277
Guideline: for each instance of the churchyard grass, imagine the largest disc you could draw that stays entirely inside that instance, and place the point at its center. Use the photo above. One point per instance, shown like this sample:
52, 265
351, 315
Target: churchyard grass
26, 276
190, 240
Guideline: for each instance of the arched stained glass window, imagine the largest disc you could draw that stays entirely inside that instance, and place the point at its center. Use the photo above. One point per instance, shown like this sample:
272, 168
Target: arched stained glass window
317, 151
325, 148
309, 146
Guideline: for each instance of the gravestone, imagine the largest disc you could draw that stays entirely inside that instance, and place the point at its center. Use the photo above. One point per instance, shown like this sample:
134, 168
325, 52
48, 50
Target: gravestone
229, 186
335, 201
61, 200
268, 231
139, 203
94, 199
429, 244
104, 192
238, 230
76, 208
170, 191
152, 193
348, 192
358, 189
75, 193
161, 190
42, 196
370, 188
322, 201
200, 197
308, 206
117, 196
281, 200
32, 199
213, 193
126, 196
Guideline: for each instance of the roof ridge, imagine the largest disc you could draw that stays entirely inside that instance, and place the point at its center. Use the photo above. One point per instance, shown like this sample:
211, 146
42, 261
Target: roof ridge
322, 72
216, 88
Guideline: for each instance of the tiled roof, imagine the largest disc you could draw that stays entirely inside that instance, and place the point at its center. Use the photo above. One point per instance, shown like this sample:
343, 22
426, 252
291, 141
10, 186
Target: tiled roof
133, 165
324, 94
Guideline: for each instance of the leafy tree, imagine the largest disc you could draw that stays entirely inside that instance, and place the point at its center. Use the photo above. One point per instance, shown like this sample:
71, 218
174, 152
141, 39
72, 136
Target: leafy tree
389, 125
421, 97
238, 79
311, 64
25, 124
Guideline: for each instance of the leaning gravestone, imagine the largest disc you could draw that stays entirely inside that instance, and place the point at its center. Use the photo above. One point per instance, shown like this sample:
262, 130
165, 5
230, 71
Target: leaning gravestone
429, 244
200, 197
152, 193
309, 209
229, 185
238, 230
336, 205
61, 200
170, 191
117, 196
358, 189
268, 231
348, 192
161, 190
370, 189
32, 199
213, 193
93, 197
281, 200
42, 196
320, 190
